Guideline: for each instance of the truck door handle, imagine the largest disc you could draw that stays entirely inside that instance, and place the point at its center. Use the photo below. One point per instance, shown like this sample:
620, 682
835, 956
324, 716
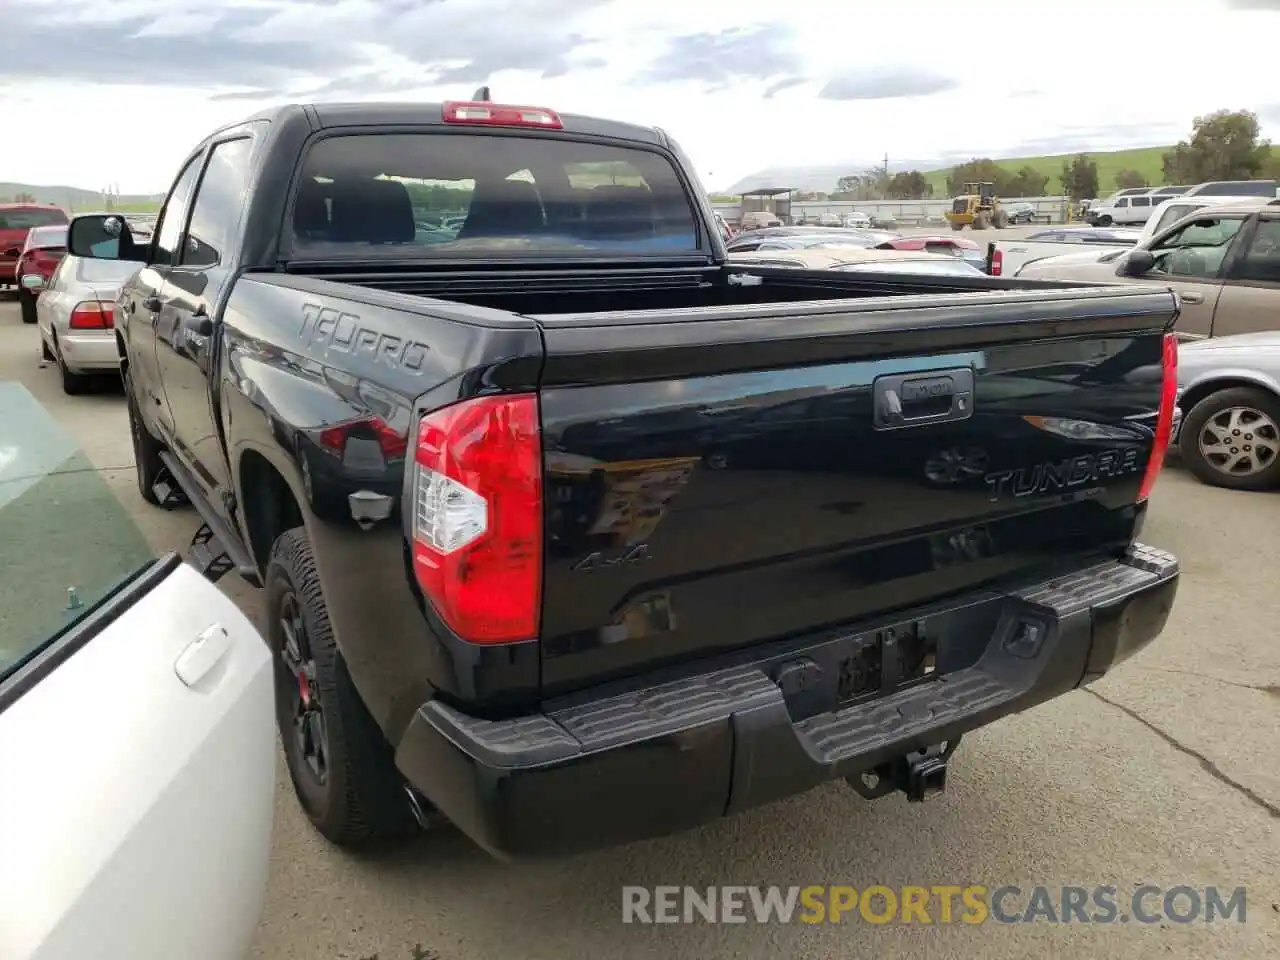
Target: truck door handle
152, 303
918, 399
1188, 297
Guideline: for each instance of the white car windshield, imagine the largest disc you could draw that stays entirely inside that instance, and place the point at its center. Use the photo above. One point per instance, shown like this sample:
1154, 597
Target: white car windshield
66, 542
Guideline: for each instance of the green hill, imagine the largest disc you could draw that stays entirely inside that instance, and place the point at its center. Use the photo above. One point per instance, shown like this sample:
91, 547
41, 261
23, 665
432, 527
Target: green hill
1146, 160
79, 200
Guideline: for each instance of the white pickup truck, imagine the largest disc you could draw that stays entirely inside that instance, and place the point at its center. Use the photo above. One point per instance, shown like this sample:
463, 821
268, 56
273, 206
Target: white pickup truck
1006, 257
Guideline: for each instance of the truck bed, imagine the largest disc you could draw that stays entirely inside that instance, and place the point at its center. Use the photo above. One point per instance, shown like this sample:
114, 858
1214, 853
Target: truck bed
720, 468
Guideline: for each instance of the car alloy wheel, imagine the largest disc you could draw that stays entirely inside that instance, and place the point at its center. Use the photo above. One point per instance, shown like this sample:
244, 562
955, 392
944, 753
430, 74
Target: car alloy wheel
1239, 441
298, 693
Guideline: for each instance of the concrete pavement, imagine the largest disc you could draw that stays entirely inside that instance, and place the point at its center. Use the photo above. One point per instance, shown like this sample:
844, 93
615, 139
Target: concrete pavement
1166, 773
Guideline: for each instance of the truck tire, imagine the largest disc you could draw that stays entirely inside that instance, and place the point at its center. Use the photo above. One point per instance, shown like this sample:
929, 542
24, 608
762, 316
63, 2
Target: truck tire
342, 767
146, 448
27, 306
957, 225
980, 222
1248, 415
1000, 220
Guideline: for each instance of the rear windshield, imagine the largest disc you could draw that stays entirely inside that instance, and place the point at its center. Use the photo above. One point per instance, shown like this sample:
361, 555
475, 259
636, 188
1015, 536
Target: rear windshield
24, 218
450, 195
46, 237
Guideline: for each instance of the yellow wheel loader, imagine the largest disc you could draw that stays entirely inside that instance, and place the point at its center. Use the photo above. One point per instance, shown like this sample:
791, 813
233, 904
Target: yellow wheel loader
978, 207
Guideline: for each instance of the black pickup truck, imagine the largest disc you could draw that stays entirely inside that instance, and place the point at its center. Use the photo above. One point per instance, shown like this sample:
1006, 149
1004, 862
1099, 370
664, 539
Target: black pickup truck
569, 531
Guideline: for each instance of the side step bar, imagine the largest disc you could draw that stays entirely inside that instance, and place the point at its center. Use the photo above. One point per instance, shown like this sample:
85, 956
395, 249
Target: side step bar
215, 549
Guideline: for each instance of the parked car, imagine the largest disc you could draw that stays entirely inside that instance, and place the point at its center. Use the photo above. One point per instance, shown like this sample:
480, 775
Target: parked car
40, 256
960, 247
1170, 211
1222, 261
802, 242
884, 221
865, 260
76, 316
1007, 257
137, 739
1020, 212
469, 612
794, 237
758, 220
1229, 396
16, 220
857, 220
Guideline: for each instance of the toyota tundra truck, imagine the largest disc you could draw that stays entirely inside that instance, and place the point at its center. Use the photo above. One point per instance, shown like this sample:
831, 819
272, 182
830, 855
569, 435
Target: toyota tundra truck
569, 531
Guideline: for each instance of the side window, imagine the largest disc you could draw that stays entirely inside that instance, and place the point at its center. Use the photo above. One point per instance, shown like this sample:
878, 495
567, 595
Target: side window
219, 200
1197, 249
1142, 201
169, 227
1176, 212
1122, 202
1262, 260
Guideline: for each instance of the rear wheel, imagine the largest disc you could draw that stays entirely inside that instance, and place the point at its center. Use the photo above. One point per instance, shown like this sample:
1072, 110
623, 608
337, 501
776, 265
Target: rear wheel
73, 384
27, 305
1000, 220
341, 766
146, 448
1232, 439
1104, 221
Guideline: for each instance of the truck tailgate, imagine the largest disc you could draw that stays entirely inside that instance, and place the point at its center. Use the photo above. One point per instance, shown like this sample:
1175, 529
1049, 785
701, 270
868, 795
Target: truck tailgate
721, 477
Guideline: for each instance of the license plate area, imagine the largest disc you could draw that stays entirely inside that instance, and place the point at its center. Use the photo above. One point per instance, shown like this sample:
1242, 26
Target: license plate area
881, 662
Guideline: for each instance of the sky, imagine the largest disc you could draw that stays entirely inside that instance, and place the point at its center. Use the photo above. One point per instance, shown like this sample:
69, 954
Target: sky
99, 92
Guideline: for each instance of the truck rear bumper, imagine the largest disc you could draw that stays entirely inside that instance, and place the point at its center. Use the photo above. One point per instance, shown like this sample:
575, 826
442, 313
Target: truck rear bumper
645, 762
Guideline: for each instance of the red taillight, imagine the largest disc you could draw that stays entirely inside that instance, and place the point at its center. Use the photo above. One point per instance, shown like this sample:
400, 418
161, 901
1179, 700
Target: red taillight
93, 315
477, 517
394, 444
1164, 419
500, 115
997, 262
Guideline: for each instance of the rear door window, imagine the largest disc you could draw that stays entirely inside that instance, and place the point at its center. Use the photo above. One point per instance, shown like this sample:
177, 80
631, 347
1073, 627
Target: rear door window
450, 195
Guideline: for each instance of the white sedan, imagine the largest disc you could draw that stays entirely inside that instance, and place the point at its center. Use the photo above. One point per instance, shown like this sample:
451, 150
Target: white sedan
137, 734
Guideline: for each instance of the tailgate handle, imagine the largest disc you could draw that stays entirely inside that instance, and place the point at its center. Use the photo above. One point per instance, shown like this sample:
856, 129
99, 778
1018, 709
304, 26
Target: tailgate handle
918, 399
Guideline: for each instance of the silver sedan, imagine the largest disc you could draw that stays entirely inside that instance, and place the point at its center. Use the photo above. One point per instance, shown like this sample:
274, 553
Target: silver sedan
1228, 432
75, 314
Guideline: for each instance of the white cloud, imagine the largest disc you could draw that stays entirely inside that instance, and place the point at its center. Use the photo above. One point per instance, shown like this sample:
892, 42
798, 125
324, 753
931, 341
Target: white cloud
116, 91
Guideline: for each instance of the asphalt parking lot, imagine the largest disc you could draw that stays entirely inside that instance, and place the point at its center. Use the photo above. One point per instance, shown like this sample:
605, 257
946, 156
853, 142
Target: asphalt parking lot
1166, 773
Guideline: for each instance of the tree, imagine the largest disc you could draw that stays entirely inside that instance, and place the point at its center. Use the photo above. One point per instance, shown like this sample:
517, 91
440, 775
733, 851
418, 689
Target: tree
1080, 177
981, 170
1224, 145
1027, 182
909, 185
1128, 179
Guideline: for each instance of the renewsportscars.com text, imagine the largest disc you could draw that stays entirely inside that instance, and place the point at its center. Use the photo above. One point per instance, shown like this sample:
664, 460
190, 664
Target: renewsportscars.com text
939, 904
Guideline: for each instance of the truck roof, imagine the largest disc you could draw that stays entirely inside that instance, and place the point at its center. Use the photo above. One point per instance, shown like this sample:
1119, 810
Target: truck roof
337, 115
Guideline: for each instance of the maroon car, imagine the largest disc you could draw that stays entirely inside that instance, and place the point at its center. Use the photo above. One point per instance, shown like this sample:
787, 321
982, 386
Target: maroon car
16, 221
41, 254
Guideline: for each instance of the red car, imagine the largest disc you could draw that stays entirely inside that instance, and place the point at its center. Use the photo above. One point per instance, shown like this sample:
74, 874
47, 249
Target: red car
16, 220
41, 254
